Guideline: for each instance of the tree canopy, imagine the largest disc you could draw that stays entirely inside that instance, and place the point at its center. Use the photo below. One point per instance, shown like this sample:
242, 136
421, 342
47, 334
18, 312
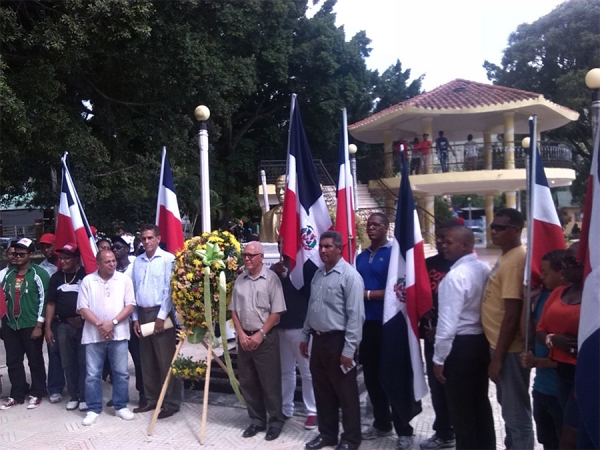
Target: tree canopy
552, 56
112, 81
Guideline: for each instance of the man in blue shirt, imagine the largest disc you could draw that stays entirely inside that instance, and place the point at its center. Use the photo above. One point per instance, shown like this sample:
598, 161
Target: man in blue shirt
372, 264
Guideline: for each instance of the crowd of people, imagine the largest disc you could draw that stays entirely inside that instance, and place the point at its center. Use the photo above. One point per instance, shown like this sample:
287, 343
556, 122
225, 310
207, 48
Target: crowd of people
474, 333
90, 324
420, 151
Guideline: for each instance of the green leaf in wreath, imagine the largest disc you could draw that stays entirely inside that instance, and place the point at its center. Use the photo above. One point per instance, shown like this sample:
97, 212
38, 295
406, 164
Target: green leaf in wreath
197, 334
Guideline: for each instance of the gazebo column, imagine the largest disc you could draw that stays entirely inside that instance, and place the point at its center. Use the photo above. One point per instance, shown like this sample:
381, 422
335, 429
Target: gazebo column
388, 162
427, 128
509, 154
487, 150
489, 216
430, 219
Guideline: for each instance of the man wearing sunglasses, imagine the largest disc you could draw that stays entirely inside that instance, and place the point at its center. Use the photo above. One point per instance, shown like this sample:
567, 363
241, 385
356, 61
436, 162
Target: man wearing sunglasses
24, 288
256, 304
501, 307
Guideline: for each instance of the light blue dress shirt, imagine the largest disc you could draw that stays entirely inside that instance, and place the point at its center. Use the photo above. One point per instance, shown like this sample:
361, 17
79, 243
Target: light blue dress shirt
152, 282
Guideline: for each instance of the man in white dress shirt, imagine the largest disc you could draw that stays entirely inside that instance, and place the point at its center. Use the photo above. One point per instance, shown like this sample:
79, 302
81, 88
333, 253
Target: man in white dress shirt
462, 355
105, 301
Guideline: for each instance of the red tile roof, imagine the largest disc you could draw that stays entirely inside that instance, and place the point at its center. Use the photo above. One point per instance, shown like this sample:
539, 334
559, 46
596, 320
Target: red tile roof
458, 94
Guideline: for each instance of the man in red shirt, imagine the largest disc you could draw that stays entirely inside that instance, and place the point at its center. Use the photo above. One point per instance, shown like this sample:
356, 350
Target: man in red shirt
425, 153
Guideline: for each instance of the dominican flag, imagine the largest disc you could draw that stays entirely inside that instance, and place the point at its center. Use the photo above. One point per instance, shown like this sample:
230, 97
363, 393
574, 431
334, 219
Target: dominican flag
587, 371
344, 213
407, 297
305, 215
546, 233
72, 225
167, 209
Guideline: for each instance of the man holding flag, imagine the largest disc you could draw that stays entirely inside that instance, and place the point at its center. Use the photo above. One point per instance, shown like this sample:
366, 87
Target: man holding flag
407, 297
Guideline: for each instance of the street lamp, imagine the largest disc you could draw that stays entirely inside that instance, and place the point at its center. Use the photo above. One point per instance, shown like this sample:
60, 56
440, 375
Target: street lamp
352, 149
202, 113
592, 80
470, 213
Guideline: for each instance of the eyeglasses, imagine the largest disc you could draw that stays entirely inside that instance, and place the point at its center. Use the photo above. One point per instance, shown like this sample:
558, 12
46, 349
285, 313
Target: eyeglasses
117, 247
375, 224
18, 255
250, 255
65, 257
497, 227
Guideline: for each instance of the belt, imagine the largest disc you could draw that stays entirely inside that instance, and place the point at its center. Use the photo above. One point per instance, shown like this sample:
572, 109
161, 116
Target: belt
327, 333
251, 333
60, 319
150, 309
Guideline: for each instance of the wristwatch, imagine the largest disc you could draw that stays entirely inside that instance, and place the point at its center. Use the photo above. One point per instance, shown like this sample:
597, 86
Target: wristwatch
115, 322
264, 335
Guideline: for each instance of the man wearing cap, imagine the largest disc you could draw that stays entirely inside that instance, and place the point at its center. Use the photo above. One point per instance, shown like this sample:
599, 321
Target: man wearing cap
105, 301
56, 375
46, 246
425, 147
25, 293
64, 326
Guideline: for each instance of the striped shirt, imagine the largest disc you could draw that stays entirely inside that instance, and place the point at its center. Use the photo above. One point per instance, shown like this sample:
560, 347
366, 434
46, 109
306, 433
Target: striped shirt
336, 303
151, 282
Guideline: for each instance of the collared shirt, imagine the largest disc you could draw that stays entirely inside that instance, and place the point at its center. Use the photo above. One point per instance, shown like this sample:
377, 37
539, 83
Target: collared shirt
460, 308
336, 303
106, 299
152, 282
255, 298
372, 265
48, 267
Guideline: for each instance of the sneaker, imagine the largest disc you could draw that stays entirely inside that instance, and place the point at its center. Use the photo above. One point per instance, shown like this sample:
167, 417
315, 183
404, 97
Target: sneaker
124, 414
72, 404
311, 422
90, 418
33, 402
404, 442
55, 398
374, 433
83, 407
435, 442
10, 402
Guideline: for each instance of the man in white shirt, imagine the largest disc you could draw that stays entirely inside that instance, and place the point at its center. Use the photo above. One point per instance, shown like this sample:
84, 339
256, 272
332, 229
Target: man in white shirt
105, 301
462, 355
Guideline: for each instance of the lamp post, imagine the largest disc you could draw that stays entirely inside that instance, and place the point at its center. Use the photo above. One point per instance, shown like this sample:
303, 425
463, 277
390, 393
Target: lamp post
352, 149
592, 80
470, 213
202, 113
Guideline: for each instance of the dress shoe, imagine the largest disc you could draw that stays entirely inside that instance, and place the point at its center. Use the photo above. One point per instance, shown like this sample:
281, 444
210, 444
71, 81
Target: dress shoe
320, 442
166, 412
252, 430
272, 433
345, 446
145, 408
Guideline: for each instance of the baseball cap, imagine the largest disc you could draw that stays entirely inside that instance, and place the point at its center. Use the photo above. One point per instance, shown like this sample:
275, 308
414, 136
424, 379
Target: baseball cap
47, 238
68, 248
25, 243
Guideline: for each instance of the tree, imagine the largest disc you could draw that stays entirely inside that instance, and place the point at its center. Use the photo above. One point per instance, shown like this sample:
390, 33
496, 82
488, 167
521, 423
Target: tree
391, 87
551, 56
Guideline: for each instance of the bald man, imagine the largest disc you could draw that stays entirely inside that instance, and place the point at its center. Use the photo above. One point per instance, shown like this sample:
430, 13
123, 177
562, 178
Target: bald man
256, 304
461, 356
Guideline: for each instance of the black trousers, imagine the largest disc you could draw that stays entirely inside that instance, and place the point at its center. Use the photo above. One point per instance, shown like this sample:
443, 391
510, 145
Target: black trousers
157, 352
260, 381
442, 424
369, 355
334, 390
17, 344
466, 389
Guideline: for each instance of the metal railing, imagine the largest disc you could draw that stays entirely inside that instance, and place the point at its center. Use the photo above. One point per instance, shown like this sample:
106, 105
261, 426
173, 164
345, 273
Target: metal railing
554, 155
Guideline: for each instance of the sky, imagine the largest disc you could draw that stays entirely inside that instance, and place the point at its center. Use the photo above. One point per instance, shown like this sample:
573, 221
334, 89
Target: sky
440, 39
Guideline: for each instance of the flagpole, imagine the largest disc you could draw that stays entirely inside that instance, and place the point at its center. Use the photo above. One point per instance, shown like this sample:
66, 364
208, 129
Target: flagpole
349, 188
162, 173
531, 167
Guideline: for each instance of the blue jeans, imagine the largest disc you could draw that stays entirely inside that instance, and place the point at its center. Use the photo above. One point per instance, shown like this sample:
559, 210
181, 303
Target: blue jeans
443, 157
56, 375
73, 359
513, 395
96, 353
